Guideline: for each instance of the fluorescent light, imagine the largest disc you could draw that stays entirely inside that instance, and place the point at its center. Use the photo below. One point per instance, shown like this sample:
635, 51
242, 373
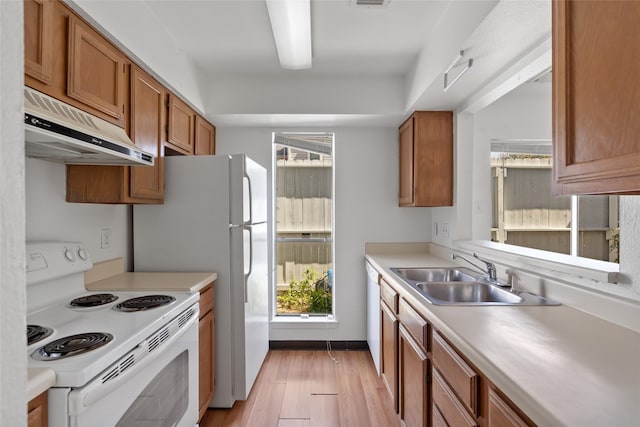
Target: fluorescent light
291, 26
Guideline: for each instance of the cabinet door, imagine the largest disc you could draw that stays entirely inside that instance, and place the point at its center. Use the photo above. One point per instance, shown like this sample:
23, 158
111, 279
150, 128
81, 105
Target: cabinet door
405, 193
38, 411
37, 39
206, 371
389, 343
205, 137
595, 98
426, 159
181, 125
500, 413
96, 70
413, 382
147, 132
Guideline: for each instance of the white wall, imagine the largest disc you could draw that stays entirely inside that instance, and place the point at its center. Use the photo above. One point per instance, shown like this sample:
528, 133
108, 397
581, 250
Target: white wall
366, 182
13, 369
49, 217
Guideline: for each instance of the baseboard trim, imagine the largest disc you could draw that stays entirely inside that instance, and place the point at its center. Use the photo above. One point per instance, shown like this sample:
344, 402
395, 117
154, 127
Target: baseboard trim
318, 345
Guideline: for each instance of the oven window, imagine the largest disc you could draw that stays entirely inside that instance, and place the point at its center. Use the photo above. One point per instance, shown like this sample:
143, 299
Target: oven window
164, 401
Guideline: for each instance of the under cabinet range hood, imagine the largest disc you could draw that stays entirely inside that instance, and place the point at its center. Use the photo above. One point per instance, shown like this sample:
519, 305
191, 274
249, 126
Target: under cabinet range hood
56, 131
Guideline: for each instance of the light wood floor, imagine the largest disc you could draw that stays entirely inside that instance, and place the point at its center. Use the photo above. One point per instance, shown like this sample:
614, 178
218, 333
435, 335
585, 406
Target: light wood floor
307, 388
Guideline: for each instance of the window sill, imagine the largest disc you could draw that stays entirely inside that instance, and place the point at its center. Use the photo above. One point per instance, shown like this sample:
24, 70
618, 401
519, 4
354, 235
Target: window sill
534, 260
314, 322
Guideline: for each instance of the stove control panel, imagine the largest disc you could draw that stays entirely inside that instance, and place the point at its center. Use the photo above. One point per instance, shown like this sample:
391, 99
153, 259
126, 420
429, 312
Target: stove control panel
51, 260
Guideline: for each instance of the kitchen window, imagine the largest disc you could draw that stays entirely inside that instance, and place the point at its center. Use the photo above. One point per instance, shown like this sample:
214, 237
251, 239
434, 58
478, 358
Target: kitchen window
524, 213
304, 205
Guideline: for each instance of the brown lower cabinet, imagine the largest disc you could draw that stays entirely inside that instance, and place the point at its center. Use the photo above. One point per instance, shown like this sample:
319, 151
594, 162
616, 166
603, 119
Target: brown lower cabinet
206, 374
38, 411
430, 382
389, 340
414, 389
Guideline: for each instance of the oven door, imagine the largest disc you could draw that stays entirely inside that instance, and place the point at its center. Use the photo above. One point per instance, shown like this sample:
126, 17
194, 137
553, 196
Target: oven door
160, 390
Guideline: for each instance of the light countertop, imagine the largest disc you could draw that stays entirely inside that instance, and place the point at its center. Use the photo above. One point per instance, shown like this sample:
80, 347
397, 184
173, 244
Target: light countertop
154, 281
561, 366
39, 380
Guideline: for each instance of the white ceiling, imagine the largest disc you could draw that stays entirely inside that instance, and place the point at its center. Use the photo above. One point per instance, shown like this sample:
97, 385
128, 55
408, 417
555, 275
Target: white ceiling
398, 51
234, 36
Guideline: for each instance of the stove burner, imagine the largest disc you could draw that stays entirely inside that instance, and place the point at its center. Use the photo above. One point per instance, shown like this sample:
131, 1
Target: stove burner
93, 300
146, 302
72, 345
37, 333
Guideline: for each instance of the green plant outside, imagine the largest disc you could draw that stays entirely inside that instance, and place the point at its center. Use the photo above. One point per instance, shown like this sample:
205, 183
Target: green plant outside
303, 296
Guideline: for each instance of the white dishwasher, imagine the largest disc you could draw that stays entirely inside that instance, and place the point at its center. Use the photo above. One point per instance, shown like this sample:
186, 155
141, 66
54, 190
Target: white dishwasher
373, 314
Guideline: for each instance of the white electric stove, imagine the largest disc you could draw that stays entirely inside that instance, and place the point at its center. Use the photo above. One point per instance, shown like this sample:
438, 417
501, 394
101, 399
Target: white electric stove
120, 358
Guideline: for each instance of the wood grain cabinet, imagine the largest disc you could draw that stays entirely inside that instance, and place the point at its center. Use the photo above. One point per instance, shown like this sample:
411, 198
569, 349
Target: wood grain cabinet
38, 411
96, 70
389, 340
501, 413
38, 35
205, 142
206, 350
181, 126
413, 368
426, 159
129, 184
595, 97
456, 385
68, 60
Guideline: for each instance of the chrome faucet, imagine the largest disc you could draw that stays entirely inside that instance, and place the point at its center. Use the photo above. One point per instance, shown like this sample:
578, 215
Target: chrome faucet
490, 270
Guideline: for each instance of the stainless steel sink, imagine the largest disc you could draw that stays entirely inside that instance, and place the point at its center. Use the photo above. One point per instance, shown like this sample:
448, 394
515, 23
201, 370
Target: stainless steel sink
467, 293
435, 274
461, 286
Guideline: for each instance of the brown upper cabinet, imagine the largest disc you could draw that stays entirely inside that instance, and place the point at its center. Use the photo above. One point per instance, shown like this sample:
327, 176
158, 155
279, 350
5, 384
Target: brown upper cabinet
181, 126
148, 121
595, 98
205, 137
38, 17
96, 75
129, 184
68, 60
426, 159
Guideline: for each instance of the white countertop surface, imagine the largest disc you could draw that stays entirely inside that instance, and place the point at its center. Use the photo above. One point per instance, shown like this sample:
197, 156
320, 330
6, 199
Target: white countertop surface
153, 281
39, 380
561, 366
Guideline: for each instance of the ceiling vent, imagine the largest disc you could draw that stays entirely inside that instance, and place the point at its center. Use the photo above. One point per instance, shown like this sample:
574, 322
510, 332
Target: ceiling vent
370, 3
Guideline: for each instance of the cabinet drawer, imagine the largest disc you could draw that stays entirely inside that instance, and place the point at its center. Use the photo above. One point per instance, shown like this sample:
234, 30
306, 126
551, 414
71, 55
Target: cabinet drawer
459, 375
414, 323
206, 300
389, 295
448, 405
500, 413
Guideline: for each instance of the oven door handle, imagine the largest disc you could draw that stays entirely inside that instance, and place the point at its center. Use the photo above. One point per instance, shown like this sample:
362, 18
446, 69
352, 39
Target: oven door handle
99, 387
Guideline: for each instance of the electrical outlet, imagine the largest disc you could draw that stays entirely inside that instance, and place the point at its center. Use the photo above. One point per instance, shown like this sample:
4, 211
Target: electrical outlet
445, 229
105, 238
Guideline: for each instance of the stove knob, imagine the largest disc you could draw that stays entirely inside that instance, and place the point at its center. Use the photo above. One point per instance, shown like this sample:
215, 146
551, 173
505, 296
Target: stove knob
82, 254
69, 255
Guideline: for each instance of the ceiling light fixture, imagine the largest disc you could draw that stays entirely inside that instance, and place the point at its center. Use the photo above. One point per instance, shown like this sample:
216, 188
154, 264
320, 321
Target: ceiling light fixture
291, 26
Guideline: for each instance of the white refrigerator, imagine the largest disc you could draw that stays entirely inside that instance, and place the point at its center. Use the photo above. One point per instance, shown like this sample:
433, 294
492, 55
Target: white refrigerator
214, 219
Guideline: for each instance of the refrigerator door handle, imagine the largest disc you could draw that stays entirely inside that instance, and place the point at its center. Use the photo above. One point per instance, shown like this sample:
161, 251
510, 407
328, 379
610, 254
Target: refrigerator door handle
248, 273
250, 199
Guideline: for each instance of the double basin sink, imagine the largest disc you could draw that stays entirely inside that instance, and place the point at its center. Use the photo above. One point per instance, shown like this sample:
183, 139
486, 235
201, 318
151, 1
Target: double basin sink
461, 286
